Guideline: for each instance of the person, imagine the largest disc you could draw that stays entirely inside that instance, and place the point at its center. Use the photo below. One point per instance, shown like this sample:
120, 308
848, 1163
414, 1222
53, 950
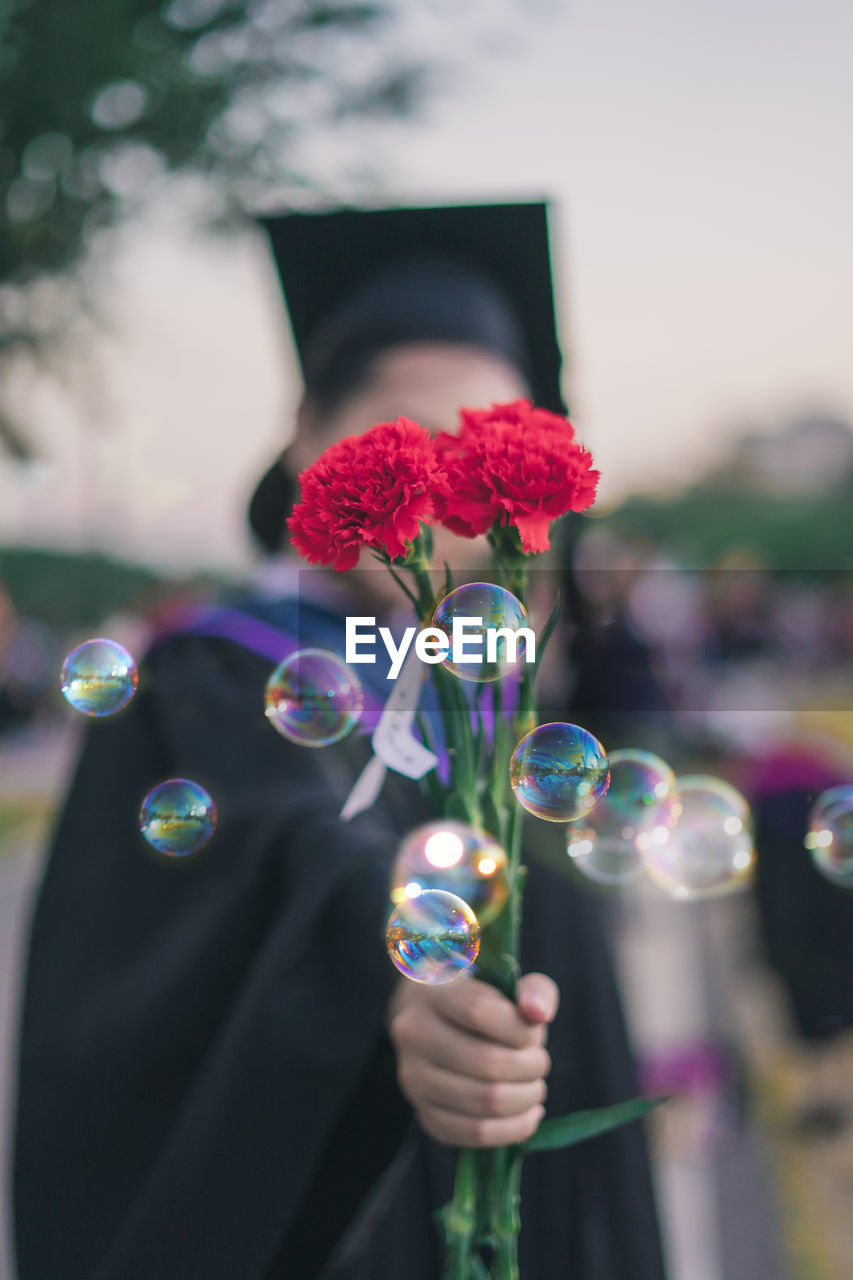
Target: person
221, 1075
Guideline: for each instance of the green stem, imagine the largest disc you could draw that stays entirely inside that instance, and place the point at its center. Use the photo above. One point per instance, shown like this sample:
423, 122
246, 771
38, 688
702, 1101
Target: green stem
507, 1222
486, 1199
426, 593
462, 1219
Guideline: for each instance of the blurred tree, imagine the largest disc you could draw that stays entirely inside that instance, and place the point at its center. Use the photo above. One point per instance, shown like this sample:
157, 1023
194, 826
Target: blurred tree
801, 533
99, 100
72, 591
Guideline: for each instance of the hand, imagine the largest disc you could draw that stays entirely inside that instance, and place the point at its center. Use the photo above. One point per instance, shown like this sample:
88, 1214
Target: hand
472, 1063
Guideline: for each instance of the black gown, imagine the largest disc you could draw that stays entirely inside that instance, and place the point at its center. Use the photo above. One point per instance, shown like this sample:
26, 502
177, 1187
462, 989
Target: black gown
206, 1088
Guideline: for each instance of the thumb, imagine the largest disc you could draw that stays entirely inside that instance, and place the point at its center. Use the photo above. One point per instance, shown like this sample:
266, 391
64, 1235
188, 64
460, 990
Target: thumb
537, 997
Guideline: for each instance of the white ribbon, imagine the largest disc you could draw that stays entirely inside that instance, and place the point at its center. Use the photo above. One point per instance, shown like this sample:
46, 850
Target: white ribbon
394, 744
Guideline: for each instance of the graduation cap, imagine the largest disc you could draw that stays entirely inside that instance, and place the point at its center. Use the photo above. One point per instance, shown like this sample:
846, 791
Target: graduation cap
357, 282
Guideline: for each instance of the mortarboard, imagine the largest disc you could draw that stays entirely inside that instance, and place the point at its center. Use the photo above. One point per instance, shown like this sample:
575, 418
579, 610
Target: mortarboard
359, 281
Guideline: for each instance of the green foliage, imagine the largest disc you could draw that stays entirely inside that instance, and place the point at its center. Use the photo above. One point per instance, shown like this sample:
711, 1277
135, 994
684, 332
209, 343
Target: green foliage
71, 592
102, 99
97, 100
794, 532
568, 1130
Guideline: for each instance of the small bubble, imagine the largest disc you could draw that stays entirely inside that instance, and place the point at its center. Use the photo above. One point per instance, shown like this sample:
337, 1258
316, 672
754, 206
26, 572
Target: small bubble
558, 772
99, 677
709, 851
433, 937
313, 699
492, 654
177, 817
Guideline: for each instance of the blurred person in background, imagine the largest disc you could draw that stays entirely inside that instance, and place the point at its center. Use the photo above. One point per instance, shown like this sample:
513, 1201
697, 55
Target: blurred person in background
28, 655
219, 1070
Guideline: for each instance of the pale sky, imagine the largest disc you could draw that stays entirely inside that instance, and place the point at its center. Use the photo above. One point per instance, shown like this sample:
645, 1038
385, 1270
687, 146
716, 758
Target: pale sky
698, 157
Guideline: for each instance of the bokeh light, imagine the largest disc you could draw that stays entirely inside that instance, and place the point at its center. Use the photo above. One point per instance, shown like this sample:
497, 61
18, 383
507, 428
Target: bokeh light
178, 817
709, 851
433, 936
829, 838
99, 677
637, 810
313, 698
454, 856
558, 772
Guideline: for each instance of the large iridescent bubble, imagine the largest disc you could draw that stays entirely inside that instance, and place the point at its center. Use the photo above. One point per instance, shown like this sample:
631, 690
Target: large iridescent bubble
558, 772
433, 937
451, 855
99, 677
313, 698
829, 838
710, 850
489, 645
636, 810
177, 817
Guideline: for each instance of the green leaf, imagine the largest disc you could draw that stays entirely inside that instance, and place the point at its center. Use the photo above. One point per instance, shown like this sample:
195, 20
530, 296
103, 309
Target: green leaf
547, 630
455, 807
568, 1130
493, 819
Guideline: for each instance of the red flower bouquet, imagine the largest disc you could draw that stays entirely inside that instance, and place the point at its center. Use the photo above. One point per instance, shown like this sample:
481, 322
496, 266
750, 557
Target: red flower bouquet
510, 472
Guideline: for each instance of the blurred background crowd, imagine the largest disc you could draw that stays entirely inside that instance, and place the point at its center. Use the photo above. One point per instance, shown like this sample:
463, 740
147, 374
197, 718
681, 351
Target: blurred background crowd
700, 232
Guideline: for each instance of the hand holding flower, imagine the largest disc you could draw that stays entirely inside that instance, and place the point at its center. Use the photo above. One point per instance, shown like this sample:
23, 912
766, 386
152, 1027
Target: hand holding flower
473, 1064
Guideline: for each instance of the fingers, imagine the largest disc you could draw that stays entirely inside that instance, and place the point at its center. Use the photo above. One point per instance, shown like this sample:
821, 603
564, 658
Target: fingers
538, 998
422, 1032
476, 1131
471, 1062
482, 1010
436, 1087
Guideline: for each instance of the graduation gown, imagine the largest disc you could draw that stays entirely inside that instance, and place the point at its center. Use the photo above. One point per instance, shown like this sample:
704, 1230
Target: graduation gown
206, 1090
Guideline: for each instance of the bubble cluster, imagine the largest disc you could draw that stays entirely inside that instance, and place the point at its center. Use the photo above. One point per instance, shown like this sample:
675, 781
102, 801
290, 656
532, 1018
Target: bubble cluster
829, 838
454, 856
636, 811
710, 851
177, 817
433, 937
491, 654
313, 698
558, 772
99, 677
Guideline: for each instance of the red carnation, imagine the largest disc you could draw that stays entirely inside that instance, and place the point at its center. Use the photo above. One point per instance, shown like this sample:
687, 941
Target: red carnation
513, 464
367, 490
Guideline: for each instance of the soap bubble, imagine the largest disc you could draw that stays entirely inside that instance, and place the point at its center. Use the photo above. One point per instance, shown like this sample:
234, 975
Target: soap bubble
451, 855
710, 851
498, 609
99, 677
177, 817
558, 772
636, 811
829, 838
433, 937
313, 698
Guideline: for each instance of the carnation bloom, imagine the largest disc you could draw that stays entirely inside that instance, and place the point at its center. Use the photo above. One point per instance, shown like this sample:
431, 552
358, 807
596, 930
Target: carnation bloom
367, 490
513, 464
